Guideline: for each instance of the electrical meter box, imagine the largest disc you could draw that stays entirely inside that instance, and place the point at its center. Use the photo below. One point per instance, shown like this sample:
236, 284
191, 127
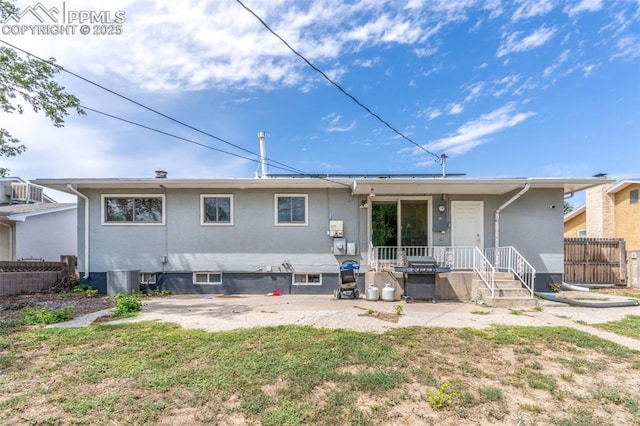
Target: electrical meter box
336, 229
339, 246
440, 216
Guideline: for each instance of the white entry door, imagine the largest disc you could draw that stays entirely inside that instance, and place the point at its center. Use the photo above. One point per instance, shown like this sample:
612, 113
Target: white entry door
467, 224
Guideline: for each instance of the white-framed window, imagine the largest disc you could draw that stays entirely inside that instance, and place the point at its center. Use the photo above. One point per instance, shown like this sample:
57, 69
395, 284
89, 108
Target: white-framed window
291, 209
133, 209
207, 277
216, 209
633, 196
147, 278
582, 233
307, 279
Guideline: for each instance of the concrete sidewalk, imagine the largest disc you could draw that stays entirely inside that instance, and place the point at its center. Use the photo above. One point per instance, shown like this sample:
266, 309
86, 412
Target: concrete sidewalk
218, 313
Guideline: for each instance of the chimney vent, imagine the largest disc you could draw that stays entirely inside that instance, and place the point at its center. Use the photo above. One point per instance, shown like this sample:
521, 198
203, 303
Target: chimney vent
161, 174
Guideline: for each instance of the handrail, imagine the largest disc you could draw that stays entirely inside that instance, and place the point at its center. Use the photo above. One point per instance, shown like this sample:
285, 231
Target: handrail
485, 270
510, 260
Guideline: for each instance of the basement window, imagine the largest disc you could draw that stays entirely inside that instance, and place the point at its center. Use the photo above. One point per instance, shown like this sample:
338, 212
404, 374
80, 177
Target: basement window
207, 278
307, 279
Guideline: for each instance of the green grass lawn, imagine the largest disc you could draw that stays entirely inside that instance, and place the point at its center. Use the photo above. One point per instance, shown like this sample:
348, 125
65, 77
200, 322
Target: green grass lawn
149, 373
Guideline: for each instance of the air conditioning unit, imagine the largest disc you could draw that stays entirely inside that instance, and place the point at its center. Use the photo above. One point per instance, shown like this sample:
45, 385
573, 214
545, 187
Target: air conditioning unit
122, 281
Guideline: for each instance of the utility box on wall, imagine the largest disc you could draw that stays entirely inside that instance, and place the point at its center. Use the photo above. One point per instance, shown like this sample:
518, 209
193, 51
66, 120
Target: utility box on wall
336, 229
339, 246
440, 216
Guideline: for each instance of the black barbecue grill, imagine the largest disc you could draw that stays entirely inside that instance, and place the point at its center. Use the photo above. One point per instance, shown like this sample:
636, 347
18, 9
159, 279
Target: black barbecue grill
420, 277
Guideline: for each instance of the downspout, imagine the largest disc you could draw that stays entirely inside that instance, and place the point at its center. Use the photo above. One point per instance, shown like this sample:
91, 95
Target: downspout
10, 239
86, 229
497, 215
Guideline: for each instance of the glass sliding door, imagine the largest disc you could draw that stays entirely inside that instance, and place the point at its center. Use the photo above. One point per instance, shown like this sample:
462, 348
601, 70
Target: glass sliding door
414, 230
384, 223
400, 223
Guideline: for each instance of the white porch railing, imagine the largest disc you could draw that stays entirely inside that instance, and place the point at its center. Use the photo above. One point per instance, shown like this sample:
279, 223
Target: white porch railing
510, 260
457, 258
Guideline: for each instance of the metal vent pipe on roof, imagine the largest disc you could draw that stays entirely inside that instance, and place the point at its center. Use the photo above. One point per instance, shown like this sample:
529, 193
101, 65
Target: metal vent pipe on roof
263, 153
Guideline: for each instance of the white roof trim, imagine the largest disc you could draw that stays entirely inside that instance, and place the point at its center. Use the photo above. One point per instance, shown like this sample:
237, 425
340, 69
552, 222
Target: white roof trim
622, 185
358, 186
21, 217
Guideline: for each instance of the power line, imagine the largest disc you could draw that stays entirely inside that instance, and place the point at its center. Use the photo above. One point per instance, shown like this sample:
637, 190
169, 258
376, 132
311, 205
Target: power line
162, 132
338, 86
270, 162
286, 167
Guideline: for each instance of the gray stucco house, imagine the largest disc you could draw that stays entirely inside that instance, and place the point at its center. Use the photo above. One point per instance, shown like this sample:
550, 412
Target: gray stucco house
290, 233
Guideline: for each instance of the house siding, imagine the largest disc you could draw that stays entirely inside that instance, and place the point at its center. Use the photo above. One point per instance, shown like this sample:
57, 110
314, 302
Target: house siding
253, 244
575, 224
627, 222
252, 253
47, 236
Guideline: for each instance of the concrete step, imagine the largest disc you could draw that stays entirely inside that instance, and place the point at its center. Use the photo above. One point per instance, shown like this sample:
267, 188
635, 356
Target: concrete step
511, 302
507, 283
506, 292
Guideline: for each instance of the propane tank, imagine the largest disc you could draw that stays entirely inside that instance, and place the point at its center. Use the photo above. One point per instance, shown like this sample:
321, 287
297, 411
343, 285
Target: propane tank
372, 292
388, 293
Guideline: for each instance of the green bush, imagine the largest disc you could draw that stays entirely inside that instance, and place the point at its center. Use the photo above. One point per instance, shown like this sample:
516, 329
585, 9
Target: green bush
42, 315
441, 398
127, 304
86, 290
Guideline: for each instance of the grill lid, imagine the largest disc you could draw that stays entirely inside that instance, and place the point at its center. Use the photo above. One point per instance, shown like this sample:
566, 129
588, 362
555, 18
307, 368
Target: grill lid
421, 261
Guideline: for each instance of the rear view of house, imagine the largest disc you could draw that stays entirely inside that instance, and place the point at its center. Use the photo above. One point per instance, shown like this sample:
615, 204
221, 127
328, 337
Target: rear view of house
291, 233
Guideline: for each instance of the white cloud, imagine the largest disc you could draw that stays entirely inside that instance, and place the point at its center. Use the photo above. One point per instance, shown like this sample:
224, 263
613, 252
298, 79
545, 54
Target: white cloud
455, 109
430, 113
334, 124
479, 131
627, 48
475, 90
583, 6
564, 56
588, 69
516, 42
532, 8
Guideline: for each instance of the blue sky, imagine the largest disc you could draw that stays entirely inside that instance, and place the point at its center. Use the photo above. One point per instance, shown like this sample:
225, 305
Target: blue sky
503, 88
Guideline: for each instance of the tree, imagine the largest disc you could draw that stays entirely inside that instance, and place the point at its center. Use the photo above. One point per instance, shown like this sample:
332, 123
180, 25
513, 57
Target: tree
568, 208
29, 80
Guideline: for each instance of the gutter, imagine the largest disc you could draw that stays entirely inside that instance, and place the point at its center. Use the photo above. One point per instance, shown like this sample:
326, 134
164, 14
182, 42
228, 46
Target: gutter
502, 207
86, 229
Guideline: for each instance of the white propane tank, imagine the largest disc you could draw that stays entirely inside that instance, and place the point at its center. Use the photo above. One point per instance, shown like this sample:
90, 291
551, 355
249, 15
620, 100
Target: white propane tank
388, 293
372, 292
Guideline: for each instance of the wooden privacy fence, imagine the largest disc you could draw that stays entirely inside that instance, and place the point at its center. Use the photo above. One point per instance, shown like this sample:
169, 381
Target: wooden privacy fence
595, 261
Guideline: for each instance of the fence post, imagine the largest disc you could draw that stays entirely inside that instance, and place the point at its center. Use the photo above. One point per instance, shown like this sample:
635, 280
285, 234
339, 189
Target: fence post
68, 265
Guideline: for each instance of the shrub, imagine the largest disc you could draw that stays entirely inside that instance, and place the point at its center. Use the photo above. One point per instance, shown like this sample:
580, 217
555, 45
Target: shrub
127, 304
40, 315
86, 290
441, 398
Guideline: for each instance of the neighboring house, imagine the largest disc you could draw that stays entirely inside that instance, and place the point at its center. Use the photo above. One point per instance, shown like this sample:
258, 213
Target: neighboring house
610, 211
32, 225
291, 233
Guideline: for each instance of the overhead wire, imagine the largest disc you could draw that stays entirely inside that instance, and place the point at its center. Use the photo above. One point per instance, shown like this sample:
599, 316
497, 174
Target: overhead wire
338, 86
272, 163
162, 132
